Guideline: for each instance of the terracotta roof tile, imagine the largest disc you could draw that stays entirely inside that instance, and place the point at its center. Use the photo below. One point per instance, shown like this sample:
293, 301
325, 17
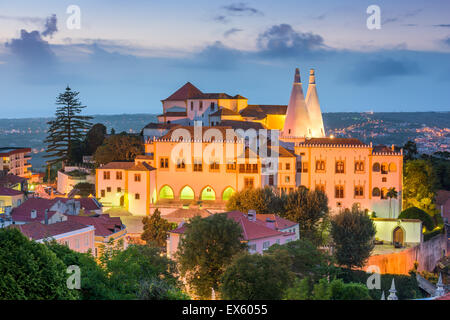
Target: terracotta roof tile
9, 192
187, 91
38, 231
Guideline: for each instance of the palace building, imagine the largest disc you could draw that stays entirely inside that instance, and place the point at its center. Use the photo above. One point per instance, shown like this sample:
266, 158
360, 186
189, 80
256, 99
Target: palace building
201, 149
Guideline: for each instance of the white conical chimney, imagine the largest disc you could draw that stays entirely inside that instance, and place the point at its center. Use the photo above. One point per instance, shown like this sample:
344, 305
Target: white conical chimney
297, 122
313, 107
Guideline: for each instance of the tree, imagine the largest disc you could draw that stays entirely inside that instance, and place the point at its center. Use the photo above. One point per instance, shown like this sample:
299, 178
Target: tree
392, 193
416, 213
419, 186
262, 200
353, 233
206, 249
68, 127
94, 138
306, 259
256, 277
155, 229
132, 270
94, 279
121, 147
30, 270
84, 189
310, 210
410, 153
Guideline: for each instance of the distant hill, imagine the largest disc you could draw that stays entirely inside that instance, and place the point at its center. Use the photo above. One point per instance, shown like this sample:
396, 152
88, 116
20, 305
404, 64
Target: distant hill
430, 130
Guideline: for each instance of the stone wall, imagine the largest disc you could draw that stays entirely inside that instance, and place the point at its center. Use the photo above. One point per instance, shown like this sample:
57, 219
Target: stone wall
427, 254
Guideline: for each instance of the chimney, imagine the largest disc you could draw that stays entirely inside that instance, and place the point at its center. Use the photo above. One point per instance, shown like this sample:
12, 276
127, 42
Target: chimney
297, 76
251, 215
46, 216
33, 214
270, 223
312, 77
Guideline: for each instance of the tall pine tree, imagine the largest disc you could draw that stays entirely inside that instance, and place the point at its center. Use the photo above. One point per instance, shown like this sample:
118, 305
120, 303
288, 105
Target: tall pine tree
67, 128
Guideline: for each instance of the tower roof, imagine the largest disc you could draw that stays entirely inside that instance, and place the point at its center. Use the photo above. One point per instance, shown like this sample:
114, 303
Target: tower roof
187, 91
297, 122
313, 106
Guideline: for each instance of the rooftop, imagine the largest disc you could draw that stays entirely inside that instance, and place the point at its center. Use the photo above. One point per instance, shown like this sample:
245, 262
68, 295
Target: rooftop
39, 231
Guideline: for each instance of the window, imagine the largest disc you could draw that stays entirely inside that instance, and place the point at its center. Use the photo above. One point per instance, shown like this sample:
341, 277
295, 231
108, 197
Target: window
384, 179
299, 166
231, 166
248, 182
384, 192
340, 166
287, 179
266, 245
288, 166
192, 105
77, 243
252, 247
164, 163
384, 168
201, 105
214, 166
212, 106
108, 189
359, 191
118, 175
102, 193
392, 167
198, 165
359, 166
137, 196
320, 165
320, 187
376, 192
339, 192
137, 177
376, 167
119, 189
304, 167
181, 164
106, 175
271, 180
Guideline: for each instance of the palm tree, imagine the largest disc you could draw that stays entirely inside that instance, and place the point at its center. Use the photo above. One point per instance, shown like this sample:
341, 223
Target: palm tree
392, 193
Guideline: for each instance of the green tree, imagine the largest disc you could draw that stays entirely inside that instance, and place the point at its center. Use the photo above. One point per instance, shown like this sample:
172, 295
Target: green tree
391, 194
30, 270
410, 151
301, 290
256, 277
306, 260
206, 249
338, 290
310, 210
68, 127
416, 213
159, 289
419, 186
94, 138
94, 279
353, 233
262, 200
84, 189
133, 269
156, 229
120, 147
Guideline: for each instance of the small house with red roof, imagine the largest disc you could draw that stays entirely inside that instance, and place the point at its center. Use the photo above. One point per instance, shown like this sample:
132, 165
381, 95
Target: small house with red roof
10, 198
258, 234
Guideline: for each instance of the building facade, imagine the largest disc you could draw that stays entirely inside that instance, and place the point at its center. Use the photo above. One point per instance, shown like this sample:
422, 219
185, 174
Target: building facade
16, 161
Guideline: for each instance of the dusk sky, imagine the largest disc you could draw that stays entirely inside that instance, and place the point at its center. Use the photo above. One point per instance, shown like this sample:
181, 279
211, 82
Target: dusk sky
128, 55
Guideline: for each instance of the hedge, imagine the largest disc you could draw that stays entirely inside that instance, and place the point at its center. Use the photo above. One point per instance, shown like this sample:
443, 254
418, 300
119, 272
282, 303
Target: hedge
416, 213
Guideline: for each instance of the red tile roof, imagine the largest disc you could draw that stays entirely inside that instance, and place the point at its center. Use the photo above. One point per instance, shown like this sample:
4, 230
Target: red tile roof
9, 192
280, 223
104, 224
11, 179
38, 231
251, 230
333, 141
119, 165
187, 91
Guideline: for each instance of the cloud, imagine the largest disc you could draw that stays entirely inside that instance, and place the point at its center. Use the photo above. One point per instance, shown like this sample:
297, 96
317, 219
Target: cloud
283, 41
402, 17
372, 70
446, 41
221, 19
30, 20
31, 49
231, 31
50, 26
241, 8
441, 25
215, 56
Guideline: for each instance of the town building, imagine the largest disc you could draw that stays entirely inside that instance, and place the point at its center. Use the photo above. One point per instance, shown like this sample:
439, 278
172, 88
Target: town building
259, 232
10, 198
69, 177
14, 160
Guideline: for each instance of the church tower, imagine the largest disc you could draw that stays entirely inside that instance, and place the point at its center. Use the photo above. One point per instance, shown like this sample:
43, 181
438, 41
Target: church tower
297, 122
313, 106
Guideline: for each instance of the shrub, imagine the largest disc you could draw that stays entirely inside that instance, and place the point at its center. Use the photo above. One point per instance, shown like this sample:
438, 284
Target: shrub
416, 213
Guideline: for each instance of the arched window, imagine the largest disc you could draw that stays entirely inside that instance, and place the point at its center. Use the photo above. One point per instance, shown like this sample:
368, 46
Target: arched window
376, 167
166, 192
384, 168
227, 193
208, 194
376, 192
384, 192
392, 167
187, 193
